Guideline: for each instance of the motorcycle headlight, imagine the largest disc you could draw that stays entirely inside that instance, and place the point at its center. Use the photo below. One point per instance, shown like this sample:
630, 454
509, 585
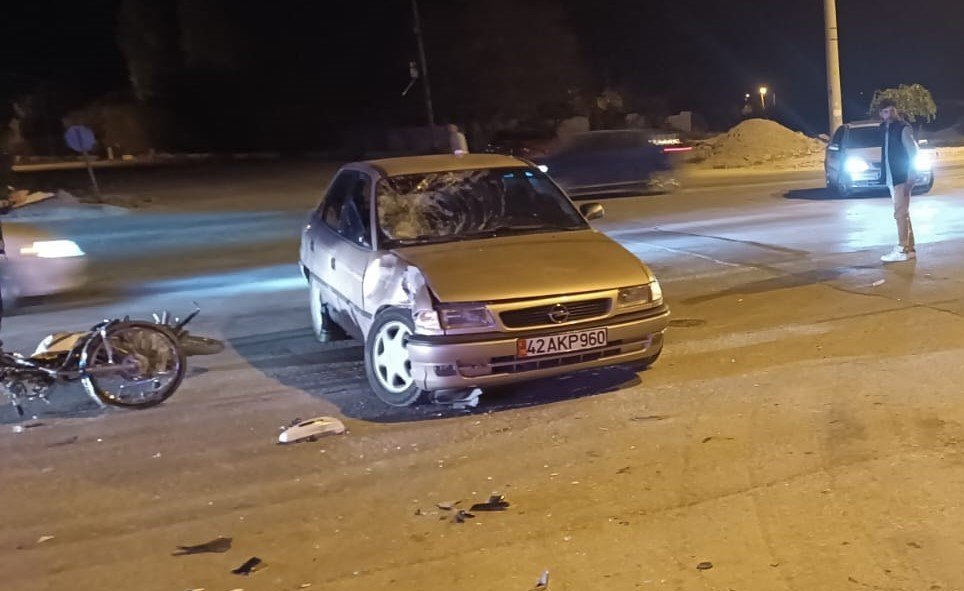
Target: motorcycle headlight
639, 294
855, 165
924, 161
52, 249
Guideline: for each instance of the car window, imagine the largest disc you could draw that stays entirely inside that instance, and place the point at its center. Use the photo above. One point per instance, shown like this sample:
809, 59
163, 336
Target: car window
864, 137
837, 136
355, 220
334, 201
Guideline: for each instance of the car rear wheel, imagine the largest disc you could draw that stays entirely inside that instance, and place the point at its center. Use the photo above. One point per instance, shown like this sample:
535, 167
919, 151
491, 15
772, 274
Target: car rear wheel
387, 364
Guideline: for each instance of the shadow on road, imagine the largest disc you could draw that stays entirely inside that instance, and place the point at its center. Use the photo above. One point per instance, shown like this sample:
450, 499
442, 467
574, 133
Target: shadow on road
335, 372
824, 194
789, 281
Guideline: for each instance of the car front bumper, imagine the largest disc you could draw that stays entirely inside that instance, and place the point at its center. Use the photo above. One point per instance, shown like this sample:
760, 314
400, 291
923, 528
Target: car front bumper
874, 180
473, 361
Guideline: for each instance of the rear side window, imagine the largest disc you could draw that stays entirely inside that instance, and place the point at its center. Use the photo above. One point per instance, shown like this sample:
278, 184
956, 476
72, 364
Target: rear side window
347, 207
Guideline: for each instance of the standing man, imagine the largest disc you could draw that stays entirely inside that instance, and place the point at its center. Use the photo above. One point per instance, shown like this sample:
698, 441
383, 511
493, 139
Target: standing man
899, 152
457, 142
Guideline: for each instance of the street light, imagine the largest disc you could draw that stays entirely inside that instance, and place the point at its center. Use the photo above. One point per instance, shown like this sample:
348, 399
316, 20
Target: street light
763, 97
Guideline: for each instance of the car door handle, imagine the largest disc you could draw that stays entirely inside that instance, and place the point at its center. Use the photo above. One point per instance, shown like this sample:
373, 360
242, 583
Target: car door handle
332, 263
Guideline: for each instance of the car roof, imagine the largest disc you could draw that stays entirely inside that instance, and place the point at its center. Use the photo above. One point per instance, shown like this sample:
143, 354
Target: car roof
867, 123
442, 163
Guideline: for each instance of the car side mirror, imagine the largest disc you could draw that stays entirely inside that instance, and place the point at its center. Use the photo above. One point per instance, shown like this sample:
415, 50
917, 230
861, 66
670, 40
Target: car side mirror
592, 211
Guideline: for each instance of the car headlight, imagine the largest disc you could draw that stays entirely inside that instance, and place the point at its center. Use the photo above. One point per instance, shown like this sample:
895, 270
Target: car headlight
465, 316
52, 249
543, 168
453, 318
924, 161
855, 165
639, 294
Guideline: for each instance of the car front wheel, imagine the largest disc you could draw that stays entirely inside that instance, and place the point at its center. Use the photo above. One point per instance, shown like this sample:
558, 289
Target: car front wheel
387, 364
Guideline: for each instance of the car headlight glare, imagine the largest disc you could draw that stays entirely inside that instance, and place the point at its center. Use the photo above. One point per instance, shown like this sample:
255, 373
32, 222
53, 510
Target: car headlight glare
639, 294
52, 249
855, 165
924, 161
465, 316
543, 167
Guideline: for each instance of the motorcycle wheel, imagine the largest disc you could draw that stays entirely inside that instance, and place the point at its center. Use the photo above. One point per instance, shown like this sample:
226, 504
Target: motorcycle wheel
140, 365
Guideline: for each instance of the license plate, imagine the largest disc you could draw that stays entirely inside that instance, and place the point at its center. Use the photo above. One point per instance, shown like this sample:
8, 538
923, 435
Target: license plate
562, 343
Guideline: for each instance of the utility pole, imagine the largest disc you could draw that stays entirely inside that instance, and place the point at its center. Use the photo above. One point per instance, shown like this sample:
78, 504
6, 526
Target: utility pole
430, 111
835, 103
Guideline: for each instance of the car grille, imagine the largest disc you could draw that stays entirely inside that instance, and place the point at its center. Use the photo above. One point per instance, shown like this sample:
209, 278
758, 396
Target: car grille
540, 315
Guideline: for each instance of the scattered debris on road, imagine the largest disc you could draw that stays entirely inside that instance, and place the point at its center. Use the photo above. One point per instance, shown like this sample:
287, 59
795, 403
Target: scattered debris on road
448, 505
543, 581
25, 426
648, 418
251, 565
496, 502
459, 399
717, 438
217, 546
879, 282
64, 442
461, 516
704, 566
43, 539
624, 470
310, 430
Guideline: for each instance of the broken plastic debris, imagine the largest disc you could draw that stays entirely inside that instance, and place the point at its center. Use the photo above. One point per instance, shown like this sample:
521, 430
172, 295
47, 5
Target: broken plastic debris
704, 566
311, 429
217, 545
461, 516
25, 426
43, 539
496, 502
448, 505
879, 282
458, 399
251, 565
543, 581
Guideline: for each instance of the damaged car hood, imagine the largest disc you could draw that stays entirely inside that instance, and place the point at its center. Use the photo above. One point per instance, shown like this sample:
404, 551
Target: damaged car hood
527, 266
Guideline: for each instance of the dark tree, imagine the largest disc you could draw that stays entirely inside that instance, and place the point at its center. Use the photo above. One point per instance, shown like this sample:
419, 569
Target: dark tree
502, 59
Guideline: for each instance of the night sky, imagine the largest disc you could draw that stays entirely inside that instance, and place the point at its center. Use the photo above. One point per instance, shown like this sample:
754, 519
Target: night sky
697, 54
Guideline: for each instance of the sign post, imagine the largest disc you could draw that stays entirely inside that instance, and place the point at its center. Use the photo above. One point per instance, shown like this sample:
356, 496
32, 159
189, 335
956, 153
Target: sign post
81, 139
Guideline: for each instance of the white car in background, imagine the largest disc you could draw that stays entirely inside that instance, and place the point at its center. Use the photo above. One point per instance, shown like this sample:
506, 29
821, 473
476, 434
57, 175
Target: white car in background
38, 263
853, 157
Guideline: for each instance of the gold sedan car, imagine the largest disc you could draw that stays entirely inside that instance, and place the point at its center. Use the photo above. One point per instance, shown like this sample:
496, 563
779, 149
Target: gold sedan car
469, 271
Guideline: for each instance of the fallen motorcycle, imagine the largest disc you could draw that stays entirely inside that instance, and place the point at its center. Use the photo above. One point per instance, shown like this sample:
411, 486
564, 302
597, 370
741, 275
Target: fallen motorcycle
121, 362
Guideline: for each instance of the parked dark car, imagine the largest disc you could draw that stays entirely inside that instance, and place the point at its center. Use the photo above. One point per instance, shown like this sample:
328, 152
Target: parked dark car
598, 162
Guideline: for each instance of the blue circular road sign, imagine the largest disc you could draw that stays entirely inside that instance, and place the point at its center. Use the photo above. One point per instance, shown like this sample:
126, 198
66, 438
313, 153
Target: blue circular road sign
80, 138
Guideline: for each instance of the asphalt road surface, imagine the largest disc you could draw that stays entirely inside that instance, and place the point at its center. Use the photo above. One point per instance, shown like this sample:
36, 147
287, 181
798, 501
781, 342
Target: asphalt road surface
803, 430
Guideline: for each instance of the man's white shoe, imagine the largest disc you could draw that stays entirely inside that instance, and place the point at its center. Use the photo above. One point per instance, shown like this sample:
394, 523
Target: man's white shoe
898, 256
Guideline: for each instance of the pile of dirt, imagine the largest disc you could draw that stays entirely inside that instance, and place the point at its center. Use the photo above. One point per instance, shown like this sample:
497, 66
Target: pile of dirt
756, 142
